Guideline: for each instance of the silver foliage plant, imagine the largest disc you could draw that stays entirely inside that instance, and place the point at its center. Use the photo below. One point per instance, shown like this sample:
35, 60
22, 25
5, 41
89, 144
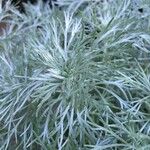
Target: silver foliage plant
75, 77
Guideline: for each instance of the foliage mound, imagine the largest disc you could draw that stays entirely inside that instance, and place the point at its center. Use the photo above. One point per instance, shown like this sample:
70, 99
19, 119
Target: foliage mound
76, 77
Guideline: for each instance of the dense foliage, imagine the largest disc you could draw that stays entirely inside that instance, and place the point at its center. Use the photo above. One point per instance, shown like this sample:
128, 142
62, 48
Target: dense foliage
76, 77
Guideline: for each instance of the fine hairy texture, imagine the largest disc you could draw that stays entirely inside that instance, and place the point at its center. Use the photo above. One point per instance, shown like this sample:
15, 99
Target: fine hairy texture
75, 78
